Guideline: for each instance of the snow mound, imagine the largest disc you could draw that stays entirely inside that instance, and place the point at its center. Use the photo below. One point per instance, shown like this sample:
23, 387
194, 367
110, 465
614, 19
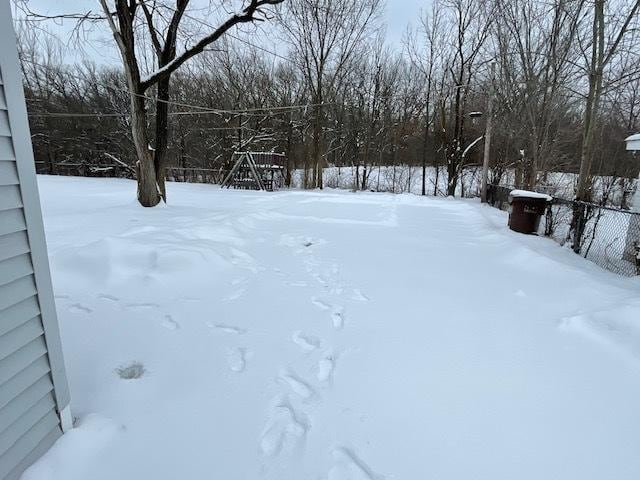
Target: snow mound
616, 329
76, 451
151, 255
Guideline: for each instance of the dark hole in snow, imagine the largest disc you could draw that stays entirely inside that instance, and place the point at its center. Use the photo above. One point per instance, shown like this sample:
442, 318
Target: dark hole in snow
308, 244
133, 371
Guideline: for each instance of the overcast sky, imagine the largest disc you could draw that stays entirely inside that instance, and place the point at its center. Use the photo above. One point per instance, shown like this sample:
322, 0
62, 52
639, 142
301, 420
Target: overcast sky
98, 47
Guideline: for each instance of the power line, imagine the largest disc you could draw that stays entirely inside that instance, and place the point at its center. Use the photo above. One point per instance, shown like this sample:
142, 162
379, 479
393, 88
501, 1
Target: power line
115, 114
77, 77
200, 110
235, 37
267, 110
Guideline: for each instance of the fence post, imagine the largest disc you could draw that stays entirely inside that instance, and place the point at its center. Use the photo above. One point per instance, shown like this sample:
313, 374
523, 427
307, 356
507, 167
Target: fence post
632, 237
548, 225
578, 231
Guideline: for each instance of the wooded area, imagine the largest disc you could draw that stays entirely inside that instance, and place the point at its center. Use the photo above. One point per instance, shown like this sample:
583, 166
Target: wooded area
565, 88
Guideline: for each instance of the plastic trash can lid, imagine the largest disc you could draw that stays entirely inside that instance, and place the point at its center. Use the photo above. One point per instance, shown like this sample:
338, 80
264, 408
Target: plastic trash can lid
528, 194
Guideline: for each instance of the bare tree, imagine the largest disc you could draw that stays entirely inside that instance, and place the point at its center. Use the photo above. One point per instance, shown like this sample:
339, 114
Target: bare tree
535, 42
325, 35
162, 27
607, 37
469, 23
427, 57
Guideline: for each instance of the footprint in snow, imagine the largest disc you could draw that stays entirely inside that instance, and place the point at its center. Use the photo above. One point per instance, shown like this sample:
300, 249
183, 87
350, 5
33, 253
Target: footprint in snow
297, 386
319, 278
325, 369
336, 290
237, 360
284, 431
110, 298
305, 342
349, 466
191, 299
235, 295
359, 296
141, 306
321, 304
337, 317
79, 308
169, 323
228, 329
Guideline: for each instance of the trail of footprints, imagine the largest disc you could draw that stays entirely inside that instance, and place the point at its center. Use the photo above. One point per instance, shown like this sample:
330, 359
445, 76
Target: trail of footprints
236, 357
132, 370
287, 428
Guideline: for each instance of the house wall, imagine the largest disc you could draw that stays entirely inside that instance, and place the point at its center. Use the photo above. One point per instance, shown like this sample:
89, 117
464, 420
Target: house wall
34, 395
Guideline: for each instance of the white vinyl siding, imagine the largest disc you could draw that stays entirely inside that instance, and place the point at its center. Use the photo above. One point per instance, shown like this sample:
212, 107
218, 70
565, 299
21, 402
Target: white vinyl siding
33, 388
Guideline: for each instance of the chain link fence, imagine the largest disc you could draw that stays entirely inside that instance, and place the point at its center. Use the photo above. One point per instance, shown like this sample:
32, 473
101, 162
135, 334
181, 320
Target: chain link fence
115, 170
607, 236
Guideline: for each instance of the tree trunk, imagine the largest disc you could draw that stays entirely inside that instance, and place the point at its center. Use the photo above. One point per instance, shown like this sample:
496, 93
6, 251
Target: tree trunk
316, 143
452, 174
424, 156
531, 168
162, 136
287, 180
147, 184
593, 104
455, 158
364, 176
425, 144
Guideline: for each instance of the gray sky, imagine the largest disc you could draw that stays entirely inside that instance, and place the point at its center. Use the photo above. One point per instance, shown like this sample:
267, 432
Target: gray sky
398, 14
98, 46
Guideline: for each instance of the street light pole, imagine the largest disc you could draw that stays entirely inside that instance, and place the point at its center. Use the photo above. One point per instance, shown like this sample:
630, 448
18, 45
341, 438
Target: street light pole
633, 145
632, 243
487, 137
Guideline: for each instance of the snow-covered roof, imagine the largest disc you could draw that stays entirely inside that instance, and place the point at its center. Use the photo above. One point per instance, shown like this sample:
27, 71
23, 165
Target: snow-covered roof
633, 138
527, 193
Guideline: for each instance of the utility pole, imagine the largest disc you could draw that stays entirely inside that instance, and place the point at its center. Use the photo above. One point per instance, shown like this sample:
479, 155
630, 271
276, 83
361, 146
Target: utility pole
487, 135
239, 132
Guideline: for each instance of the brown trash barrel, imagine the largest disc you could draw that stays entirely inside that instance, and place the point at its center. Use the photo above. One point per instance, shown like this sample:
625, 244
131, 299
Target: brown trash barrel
527, 208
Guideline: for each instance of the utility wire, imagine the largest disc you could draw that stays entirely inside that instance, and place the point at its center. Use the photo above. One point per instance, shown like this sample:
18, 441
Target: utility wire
267, 111
235, 37
200, 109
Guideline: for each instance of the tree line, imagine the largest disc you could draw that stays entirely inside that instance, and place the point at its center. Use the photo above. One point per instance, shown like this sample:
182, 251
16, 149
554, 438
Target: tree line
563, 78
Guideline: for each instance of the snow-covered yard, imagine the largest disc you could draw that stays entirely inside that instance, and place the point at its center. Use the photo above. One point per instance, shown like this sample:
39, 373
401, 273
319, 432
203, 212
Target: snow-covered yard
328, 335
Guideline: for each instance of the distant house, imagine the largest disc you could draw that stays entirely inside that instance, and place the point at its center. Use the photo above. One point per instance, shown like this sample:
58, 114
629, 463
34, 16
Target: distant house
34, 396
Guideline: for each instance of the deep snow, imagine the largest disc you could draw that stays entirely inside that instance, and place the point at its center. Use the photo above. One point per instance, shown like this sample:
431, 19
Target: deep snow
329, 335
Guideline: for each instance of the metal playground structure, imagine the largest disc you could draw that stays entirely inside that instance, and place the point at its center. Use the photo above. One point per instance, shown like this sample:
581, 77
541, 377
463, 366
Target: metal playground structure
256, 171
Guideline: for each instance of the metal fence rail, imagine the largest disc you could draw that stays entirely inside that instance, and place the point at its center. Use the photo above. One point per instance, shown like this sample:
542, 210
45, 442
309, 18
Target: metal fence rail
114, 170
607, 236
